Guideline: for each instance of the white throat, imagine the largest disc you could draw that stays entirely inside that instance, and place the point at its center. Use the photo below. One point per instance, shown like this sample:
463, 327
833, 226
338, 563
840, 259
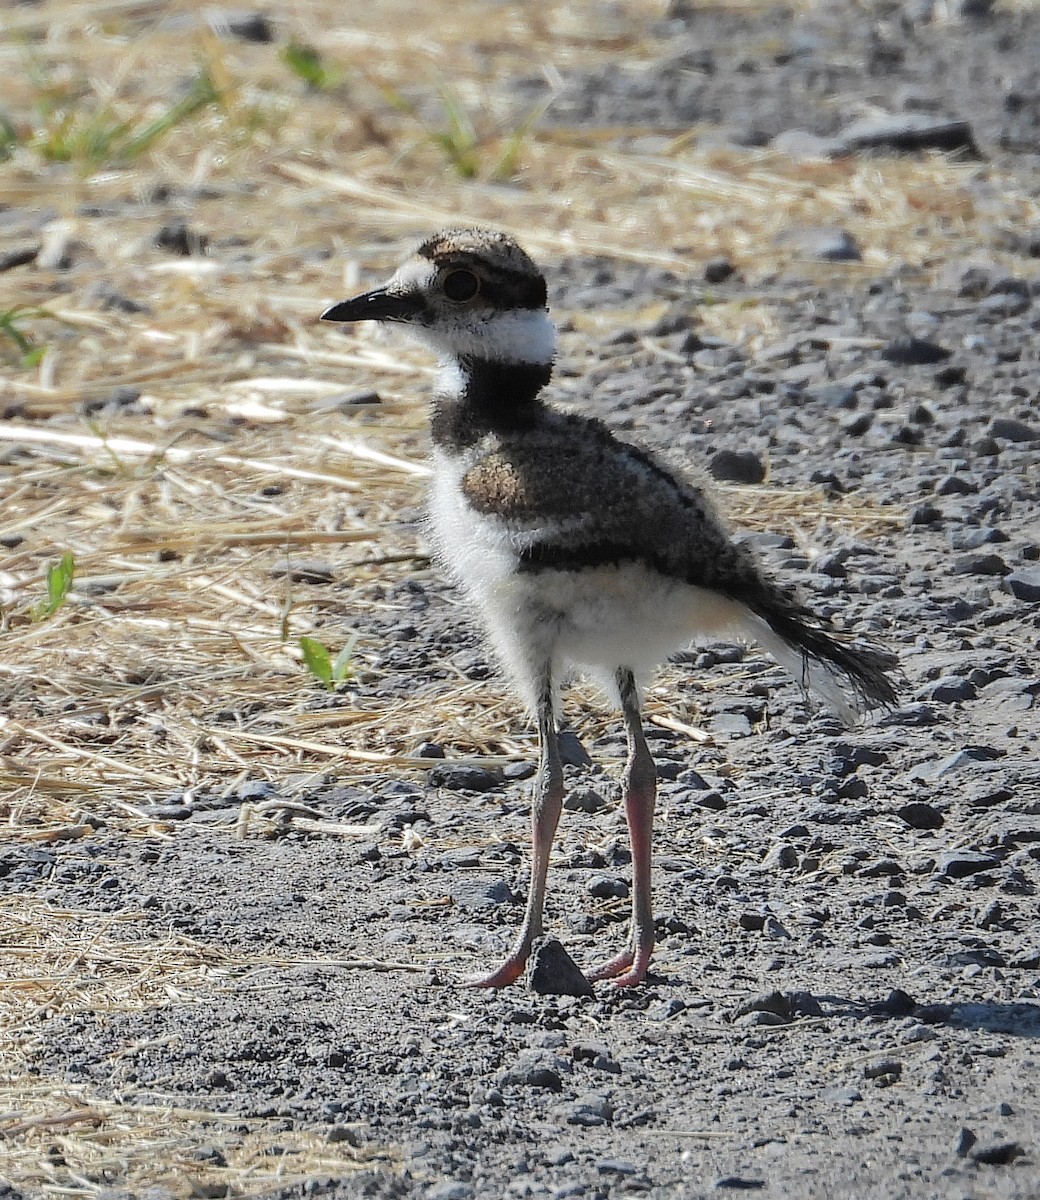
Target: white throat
523, 336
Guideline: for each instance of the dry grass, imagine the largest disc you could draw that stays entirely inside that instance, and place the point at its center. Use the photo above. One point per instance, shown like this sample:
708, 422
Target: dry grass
62, 1141
187, 518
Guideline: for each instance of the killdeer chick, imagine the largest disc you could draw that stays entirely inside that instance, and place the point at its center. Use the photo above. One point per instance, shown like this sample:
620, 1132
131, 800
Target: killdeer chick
578, 548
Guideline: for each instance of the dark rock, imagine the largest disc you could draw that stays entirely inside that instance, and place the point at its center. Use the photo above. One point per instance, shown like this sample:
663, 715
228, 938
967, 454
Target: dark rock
738, 466
552, 972
772, 1002
956, 485
914, 352
254, 790
805, 1004
973, 539
572, 752
907, 435
718, 270
246, 26
537, 1069
179, 238
890, 1067
1013, 430
1024, 584
965, 1140
835, 395
906, 133
950, 376
597, 1055
585, 800
783, 856
678, 319
475, 894
950, 690
980, 564
519, 770
882, 869
959, 864
603, 887
924, 514
18, 256
896, 1004
985, 794
712, 801
589, 1111
832, 565
458, 777
167, 812
615, 1166
913, 716
849, 757
666, 1009
858, 425
919, 815
739, 1183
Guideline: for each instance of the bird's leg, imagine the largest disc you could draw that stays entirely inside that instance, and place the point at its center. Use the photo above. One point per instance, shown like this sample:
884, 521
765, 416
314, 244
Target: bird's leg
545, 816
640, 786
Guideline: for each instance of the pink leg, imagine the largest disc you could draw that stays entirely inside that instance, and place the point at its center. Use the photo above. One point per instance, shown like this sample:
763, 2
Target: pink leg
545, 816
640, 782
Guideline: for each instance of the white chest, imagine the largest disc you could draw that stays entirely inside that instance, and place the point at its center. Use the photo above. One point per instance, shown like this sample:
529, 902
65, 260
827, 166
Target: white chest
475, 550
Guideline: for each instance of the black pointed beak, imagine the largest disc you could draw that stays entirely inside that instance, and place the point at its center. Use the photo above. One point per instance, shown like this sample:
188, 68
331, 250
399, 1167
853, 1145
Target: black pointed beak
377, 305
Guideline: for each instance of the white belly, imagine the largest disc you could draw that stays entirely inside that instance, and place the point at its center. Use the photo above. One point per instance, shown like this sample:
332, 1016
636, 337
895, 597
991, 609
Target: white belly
599, 618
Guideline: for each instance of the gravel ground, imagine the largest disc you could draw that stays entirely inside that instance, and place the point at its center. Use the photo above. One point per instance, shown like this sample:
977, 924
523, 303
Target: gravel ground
846, 994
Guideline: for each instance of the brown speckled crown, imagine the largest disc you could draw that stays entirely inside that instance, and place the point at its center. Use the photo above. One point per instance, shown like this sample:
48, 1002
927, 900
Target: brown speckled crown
511, 280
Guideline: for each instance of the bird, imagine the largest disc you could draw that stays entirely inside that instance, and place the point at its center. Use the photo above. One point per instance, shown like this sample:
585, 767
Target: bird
579, 550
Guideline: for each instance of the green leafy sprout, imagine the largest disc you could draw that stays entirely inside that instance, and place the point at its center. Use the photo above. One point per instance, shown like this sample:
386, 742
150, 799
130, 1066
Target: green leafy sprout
26, 352
307, 63
326, 669
60, 577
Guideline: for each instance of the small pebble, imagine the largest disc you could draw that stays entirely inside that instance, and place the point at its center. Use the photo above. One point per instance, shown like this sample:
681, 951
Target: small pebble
462, 777
738, 466
914, 352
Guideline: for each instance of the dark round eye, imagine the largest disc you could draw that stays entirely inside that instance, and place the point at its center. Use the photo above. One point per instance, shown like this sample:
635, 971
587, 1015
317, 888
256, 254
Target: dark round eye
460, 286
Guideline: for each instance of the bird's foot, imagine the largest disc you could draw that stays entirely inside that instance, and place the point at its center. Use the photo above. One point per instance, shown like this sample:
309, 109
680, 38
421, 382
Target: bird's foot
626, 970
509, 972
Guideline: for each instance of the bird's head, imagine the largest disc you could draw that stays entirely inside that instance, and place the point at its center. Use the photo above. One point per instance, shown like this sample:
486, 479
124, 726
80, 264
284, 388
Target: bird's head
468, 294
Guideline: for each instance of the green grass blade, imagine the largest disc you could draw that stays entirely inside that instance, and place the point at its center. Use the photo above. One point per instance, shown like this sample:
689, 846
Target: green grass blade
341, 668
203, 93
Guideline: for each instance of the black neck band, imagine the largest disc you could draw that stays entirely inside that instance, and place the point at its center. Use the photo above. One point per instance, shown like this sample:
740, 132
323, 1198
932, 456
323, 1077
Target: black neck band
495, 398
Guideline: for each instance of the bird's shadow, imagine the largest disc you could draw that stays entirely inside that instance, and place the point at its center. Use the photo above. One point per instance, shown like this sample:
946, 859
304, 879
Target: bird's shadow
1015, 1018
